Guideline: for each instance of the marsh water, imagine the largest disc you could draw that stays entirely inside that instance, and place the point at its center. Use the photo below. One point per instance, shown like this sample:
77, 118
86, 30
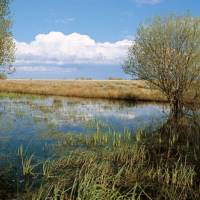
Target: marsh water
33, 121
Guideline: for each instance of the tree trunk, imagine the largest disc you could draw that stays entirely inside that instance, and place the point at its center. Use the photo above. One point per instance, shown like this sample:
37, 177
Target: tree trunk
176, 108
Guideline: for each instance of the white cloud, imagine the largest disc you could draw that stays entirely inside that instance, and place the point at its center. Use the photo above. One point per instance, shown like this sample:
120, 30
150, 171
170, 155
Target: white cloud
45, 69
152, 2
56, 48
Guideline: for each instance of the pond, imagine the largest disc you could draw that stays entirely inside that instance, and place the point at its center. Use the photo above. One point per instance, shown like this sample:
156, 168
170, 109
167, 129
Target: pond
32, 120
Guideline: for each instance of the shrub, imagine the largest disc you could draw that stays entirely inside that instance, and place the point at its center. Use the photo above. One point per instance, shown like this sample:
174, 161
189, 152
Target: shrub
3, 76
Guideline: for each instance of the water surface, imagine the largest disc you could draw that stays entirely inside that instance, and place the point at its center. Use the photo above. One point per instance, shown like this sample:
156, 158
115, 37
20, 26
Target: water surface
28, 120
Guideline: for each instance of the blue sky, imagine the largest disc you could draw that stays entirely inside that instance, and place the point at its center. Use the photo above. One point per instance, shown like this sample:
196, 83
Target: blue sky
75, 38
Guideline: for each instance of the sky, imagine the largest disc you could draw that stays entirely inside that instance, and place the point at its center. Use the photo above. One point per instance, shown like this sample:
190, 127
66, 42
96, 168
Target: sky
69, 39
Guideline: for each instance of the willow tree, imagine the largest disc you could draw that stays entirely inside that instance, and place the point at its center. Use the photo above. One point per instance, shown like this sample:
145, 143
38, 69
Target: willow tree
7, 46
166, 53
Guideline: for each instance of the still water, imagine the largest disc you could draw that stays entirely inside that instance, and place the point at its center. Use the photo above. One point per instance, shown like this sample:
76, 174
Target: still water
28, 120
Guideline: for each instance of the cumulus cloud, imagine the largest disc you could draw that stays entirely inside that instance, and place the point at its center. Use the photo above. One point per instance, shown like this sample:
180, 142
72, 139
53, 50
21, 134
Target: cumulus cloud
56, 48
148, 1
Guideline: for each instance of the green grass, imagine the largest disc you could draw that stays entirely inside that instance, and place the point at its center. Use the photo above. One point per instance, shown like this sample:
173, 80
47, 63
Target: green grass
26, 162
108, 166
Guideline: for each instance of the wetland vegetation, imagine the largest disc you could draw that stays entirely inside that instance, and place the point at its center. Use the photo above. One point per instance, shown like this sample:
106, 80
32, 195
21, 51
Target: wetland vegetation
58, 148
107, 89
70, 148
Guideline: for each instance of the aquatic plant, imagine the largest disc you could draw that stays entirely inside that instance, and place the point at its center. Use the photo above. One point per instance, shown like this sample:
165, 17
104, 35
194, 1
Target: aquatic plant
46, 168
125, 166
26, 162
108, 164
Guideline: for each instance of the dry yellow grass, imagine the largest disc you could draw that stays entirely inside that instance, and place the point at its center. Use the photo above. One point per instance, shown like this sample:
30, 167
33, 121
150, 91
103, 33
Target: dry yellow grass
109, 89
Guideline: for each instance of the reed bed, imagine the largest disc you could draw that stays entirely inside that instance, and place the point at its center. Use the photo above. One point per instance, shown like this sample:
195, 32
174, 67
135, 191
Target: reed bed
154, 166
107, 89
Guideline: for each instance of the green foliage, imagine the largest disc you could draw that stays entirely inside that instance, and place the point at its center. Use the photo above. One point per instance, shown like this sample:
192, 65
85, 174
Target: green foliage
3, 76
114, 78
166, 53
26, 162
150, 166
7, 46
46, 168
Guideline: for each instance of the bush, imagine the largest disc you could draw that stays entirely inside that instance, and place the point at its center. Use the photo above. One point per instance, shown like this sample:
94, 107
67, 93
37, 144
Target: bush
3, 76
115, 78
